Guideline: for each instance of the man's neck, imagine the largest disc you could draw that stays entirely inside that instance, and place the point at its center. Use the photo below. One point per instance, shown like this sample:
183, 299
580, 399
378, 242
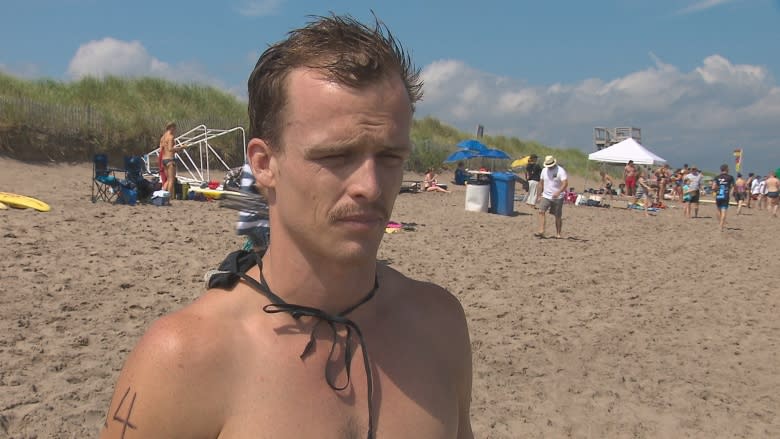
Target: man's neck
325, 284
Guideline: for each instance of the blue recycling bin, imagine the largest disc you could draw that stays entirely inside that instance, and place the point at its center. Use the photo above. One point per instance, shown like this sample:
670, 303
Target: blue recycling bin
502, 193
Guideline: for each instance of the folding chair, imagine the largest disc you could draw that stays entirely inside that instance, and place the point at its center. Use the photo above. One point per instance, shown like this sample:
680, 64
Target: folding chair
104, 182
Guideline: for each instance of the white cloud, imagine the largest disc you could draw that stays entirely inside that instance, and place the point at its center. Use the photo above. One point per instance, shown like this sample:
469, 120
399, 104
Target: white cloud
130, 59
702, 5
115, 57
685, 116
259, 8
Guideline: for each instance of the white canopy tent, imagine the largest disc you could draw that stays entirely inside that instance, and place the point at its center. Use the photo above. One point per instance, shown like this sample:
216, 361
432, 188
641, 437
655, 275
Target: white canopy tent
624, 151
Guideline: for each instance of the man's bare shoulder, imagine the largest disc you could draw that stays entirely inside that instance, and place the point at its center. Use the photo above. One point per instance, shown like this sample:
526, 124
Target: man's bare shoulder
427, 299
176, 381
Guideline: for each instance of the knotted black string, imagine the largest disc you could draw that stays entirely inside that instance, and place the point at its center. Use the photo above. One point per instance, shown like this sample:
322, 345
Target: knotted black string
236, 266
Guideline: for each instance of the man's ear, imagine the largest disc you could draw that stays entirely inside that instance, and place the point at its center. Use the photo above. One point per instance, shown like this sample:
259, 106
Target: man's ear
260, 158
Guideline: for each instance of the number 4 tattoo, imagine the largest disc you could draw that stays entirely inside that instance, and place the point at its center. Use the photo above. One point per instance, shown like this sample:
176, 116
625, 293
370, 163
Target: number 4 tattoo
126, 420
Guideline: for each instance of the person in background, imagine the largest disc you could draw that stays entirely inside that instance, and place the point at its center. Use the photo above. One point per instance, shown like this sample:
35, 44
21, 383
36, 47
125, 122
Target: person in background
533, 173
750, 184
552, 187
267, 351
430, 184
694, 188
643, 191
723, 185
461, 175
251, 223
773, 192
168, 151
629, 177
761, 202
741, 193
606, 184
663, 176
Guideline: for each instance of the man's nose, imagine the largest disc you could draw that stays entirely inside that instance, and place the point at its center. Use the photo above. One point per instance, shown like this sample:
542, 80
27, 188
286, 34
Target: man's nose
364, 181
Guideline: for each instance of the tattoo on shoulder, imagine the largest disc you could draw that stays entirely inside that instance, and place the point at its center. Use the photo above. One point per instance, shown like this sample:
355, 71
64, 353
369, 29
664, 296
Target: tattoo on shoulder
126, 410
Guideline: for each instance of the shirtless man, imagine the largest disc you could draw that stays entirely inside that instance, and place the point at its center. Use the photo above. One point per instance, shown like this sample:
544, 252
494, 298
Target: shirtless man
168, 156
629, 176
330, 112
773, 192
741, 192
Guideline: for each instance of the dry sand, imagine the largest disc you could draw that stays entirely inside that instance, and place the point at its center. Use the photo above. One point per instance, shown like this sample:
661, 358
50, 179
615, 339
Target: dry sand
633, 327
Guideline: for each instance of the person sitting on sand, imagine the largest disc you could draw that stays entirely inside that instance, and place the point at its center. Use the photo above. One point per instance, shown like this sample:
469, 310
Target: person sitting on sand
430, 184
461, 175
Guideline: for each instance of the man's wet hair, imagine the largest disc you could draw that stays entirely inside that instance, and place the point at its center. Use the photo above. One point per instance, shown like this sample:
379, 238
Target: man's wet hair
344, 50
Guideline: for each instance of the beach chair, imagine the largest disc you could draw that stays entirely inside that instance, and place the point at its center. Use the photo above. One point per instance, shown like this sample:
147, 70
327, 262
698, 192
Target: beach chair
104, 182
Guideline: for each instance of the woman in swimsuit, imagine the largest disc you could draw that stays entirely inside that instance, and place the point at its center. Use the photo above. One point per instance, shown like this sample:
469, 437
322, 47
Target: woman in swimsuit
430, 183
168, 151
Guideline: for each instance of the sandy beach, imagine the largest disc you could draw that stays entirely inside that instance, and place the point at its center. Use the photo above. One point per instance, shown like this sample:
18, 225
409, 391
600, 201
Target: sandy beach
628, 327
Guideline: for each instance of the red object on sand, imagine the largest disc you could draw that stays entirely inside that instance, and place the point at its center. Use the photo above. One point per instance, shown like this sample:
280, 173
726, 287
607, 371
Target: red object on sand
213, 184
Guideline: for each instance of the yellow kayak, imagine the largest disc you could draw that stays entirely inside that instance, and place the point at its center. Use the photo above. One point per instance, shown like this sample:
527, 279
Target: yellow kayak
23, 202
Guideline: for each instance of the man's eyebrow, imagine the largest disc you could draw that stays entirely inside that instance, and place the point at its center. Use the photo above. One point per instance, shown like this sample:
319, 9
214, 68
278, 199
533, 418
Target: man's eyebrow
346, 147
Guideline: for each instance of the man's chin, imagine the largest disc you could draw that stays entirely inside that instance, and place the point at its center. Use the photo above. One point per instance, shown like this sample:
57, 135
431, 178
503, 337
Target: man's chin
354, 251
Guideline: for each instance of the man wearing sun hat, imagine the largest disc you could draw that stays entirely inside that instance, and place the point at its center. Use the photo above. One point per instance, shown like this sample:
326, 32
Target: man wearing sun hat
552, 186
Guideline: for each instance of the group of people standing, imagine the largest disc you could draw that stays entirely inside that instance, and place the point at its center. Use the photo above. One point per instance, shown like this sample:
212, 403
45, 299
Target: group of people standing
687, 187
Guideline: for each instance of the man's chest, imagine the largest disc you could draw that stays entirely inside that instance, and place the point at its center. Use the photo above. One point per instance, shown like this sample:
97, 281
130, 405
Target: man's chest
413, 394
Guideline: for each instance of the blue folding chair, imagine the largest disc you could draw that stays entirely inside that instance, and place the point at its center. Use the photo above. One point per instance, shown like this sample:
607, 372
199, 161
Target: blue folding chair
104, 182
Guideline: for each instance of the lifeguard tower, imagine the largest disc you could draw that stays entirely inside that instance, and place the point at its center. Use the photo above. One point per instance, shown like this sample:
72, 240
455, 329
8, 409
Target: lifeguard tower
606, 137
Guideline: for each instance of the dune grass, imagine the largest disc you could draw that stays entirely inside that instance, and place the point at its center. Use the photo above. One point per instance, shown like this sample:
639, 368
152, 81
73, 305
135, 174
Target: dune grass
126, 116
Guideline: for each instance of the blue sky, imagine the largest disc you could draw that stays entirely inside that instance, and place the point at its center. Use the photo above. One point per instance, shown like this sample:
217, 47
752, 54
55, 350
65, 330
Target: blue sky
698, 76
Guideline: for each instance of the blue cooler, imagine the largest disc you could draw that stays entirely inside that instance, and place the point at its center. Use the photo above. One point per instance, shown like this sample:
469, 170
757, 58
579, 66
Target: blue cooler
128, 195
502, 193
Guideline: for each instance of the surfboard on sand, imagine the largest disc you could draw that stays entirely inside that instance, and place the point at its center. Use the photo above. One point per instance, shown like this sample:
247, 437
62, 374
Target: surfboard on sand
23, 202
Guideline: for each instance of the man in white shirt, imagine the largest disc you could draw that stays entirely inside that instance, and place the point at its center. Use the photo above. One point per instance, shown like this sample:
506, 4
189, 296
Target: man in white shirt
694, 185
552, 186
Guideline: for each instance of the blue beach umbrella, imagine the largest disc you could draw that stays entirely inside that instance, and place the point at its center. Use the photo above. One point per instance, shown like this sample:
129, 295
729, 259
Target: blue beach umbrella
494, 154
461, 154
473, 145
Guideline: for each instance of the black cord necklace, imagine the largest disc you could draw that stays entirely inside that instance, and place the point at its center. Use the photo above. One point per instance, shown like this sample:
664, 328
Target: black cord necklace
278, 305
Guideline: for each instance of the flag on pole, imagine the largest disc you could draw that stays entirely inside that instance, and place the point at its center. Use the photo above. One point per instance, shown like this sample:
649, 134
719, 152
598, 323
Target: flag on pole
738, 159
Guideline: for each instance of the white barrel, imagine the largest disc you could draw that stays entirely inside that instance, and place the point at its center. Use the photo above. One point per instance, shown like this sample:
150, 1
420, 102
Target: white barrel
477, 197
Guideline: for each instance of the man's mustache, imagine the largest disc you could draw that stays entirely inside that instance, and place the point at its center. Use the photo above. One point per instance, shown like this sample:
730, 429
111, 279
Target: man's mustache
372, 210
